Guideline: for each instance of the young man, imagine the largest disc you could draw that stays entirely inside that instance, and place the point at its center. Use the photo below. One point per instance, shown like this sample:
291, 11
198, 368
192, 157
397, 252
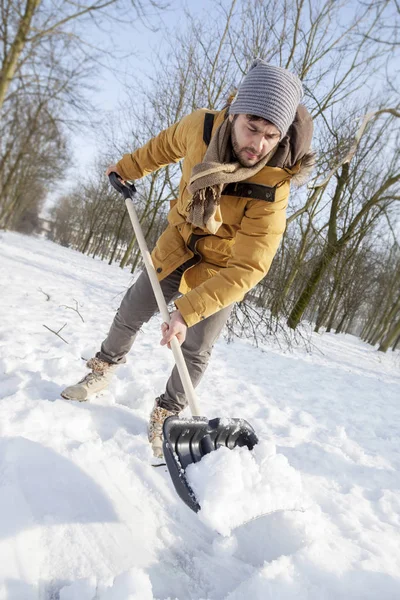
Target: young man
224, 228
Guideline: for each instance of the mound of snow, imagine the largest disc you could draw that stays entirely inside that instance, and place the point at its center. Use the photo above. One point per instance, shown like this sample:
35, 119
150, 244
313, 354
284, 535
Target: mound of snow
130, 585
84, 589
235, 486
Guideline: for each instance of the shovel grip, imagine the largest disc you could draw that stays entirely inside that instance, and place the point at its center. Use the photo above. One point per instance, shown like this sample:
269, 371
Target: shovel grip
162, 306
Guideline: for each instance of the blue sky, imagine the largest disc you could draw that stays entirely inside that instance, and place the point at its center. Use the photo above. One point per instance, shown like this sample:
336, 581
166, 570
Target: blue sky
136, 44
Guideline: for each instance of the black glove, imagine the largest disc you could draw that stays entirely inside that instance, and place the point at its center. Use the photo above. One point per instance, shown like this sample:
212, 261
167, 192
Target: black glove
126, 189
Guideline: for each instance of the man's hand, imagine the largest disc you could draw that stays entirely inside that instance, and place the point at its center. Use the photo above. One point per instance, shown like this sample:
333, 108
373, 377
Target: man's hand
177, 327
114, 169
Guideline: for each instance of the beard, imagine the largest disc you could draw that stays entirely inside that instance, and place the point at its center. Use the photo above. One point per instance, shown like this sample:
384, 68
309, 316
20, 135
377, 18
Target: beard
240, 153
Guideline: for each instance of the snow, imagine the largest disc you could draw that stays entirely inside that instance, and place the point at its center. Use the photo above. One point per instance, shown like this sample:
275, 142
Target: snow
84, 515
236, 486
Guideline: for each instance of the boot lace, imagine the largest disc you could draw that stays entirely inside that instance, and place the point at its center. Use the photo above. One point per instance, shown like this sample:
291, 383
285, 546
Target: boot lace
91, 378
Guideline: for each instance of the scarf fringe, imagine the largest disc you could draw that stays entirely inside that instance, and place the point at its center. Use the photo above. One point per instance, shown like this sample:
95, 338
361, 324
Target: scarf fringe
203, 204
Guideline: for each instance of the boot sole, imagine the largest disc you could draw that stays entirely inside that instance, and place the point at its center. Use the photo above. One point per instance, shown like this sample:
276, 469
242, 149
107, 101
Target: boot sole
74, 399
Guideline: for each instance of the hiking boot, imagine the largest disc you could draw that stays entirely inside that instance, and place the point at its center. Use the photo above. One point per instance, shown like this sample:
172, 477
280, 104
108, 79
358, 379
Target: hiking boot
100, 377
155, 429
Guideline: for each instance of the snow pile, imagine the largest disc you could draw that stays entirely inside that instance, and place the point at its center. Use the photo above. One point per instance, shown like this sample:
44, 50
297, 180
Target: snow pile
131, 585
235, 486
84, 589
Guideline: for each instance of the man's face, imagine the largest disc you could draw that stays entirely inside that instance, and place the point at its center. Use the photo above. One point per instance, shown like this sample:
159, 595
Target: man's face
252, 140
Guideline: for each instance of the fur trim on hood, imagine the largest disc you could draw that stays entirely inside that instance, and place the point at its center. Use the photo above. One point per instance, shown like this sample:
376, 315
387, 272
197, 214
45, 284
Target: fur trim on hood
307, 164
294, 150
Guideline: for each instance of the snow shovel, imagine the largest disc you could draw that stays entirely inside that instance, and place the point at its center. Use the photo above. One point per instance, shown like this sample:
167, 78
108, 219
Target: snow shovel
186, 440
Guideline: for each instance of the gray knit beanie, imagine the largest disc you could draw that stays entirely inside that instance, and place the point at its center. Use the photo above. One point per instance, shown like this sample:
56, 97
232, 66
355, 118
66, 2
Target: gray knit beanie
270, 92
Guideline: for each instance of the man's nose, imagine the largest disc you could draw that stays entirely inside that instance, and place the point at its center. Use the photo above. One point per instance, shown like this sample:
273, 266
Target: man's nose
260, 144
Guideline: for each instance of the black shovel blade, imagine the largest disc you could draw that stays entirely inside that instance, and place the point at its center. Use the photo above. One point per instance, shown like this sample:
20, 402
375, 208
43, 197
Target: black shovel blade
186, 441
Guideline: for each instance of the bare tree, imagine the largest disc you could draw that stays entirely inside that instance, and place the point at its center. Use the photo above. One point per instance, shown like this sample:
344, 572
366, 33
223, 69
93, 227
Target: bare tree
34, 154
27, 26
361, 195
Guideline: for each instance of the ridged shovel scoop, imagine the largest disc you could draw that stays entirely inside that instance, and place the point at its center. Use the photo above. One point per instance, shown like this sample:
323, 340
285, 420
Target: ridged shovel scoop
186, 441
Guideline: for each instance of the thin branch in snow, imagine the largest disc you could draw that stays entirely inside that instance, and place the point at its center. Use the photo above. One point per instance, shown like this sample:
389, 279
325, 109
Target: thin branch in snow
57, 333
45, 293
74, 309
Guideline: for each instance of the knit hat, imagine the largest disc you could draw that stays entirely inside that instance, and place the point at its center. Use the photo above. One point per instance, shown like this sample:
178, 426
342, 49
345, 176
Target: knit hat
270, 92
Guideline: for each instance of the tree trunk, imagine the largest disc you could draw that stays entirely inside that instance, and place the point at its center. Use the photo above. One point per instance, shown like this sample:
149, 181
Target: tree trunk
128, 252
117, 237
311, 285
366, 330
390, 338
87, 242
397, 343
349, 325
385, 324
340, 327
324, 313
135, 261
278, 304
100, 241
10, 61
8, 214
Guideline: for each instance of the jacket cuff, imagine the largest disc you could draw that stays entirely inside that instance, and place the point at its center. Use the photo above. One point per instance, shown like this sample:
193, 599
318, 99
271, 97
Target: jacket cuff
126, 166
188, 312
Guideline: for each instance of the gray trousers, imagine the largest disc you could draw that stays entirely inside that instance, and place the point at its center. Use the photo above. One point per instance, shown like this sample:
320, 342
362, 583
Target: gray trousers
137, 307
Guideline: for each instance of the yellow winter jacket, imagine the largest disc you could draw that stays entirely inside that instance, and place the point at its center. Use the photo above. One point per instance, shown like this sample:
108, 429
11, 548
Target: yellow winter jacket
239, 255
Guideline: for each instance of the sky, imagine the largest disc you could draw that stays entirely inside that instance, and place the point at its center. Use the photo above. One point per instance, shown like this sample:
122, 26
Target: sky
136, 43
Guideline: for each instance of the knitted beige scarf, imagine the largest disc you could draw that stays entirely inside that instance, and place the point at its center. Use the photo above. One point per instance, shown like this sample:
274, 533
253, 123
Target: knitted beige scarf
209, 177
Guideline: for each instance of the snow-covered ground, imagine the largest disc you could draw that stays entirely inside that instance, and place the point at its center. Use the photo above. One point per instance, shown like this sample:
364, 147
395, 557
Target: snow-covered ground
84, 515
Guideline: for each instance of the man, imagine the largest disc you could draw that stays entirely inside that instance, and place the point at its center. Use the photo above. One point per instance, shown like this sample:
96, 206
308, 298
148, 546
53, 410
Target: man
224, 228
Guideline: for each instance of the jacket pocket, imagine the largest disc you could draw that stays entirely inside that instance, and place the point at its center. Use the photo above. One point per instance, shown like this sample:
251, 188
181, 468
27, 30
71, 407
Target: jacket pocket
170, 242
215, 250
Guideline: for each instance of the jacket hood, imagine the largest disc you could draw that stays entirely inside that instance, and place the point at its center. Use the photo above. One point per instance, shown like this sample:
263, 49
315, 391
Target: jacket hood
294, 150
306, 167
